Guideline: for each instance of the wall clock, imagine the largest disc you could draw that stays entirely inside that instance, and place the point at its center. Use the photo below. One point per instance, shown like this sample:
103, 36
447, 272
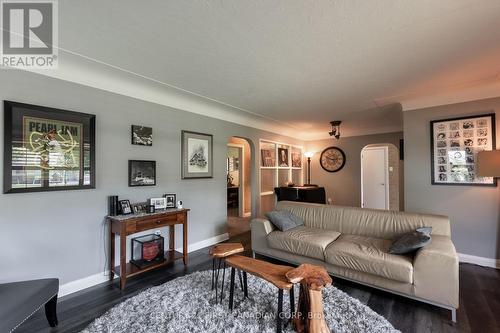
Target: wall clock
332, 159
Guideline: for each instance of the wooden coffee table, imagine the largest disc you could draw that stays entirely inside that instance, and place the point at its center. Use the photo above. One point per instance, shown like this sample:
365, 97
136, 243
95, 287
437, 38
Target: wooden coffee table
219, 253
311, 316
275, 274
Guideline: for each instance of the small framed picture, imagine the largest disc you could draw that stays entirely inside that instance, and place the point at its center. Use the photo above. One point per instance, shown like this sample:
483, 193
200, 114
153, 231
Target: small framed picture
141, 173
125, 207
158, 203
142, 135
171, 200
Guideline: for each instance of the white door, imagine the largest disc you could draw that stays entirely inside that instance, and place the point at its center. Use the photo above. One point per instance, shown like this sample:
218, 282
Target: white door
374, 178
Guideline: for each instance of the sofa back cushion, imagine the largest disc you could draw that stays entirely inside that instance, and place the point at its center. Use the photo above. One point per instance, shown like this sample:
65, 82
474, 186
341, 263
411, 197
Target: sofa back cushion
365, 222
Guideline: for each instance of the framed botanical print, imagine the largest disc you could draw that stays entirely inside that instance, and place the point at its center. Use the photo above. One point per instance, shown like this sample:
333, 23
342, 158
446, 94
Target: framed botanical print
47, 149
196, 155
454, 147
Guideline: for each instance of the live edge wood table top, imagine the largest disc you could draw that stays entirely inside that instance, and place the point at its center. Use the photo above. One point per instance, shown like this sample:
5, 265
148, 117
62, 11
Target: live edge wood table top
125, 225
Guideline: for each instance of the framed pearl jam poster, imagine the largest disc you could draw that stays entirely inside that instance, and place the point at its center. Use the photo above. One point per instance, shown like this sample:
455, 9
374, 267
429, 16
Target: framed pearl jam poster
454, 147
47, 149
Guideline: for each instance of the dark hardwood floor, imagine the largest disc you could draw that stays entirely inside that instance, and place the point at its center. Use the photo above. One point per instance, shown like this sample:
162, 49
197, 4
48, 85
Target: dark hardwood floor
479, 300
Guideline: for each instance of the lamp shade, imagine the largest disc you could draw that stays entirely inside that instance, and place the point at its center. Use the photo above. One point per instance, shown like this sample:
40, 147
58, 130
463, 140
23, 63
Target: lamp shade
488, 163
309, 154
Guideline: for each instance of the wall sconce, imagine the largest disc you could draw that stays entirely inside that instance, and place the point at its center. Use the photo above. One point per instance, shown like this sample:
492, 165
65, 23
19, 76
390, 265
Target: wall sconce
335, 132
308, 154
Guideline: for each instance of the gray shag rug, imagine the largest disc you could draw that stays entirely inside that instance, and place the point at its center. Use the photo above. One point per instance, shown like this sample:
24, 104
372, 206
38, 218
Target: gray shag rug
187, 304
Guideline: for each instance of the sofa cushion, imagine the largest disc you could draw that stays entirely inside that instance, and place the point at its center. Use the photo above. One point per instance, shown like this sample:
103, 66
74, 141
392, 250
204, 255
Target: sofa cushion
411, 241
284, 220
369, 255
308, 242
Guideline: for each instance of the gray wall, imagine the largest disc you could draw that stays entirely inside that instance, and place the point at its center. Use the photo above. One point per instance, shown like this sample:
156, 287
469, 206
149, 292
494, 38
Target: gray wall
62, 234
344, 186
473, 210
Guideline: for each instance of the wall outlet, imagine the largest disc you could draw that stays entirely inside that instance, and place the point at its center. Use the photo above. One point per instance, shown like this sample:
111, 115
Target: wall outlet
158, 232
330, 201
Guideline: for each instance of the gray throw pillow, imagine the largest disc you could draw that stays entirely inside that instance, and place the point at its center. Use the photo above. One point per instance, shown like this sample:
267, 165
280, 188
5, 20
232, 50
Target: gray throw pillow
411, 241
284, 220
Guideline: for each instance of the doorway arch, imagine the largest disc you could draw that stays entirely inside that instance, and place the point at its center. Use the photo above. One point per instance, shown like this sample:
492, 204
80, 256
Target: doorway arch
239, 172
373, 177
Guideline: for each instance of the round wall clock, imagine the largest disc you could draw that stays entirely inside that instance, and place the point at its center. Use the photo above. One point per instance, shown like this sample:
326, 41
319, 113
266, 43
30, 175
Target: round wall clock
332, 159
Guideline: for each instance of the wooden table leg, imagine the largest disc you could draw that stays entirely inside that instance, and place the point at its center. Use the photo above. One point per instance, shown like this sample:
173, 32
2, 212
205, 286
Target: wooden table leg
123, 257
111, 253
171, 234
185, 242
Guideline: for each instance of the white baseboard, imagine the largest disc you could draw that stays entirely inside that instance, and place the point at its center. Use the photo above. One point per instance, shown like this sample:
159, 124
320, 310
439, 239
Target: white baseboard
80, 284
92, 280
206, 242
481, 261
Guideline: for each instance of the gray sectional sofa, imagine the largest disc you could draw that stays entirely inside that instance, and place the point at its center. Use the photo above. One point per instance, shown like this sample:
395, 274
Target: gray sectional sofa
353, 243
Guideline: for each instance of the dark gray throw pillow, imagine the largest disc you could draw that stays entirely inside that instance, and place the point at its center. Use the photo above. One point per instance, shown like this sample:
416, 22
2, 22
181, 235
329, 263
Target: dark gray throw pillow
284, 220
411, 241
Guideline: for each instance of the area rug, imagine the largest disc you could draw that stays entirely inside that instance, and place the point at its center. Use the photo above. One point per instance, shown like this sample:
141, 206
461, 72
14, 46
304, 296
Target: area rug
187, 304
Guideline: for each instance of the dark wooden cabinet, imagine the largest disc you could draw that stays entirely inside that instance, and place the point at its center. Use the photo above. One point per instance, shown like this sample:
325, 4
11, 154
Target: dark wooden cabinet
125, 225
312, 194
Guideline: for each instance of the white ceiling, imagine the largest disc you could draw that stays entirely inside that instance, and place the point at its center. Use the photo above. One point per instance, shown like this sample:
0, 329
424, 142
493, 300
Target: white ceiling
286, 65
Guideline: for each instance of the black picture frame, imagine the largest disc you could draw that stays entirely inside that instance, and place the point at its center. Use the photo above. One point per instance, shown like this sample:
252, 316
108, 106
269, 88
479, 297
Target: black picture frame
141, 135
172, 203
186, 150
136, 170
125, 204
51, 129
450, 144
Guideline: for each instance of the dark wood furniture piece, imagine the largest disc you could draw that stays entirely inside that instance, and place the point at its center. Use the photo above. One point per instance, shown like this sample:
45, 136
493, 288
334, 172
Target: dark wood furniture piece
312, 194
275, 274
20, 300
232, 196
219, 253
311, 316
125, 225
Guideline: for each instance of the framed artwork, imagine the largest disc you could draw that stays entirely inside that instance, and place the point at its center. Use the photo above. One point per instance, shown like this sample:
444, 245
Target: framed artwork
283, 157
141, 173
267, 157
454, 147
47, 149
125, 207
196, 155
296, 158
171, 200
142, 135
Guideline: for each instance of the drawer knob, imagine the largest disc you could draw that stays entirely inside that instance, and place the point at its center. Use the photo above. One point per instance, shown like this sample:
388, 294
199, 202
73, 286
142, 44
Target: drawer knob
158, 222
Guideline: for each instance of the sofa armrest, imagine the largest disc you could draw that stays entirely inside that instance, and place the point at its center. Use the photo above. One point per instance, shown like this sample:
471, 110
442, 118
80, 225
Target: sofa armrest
260, 229
436, 272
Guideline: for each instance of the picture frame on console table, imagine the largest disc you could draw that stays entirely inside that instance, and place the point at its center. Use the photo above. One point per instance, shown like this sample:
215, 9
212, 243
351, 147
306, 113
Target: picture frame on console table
47, 149
196, 155
455, 144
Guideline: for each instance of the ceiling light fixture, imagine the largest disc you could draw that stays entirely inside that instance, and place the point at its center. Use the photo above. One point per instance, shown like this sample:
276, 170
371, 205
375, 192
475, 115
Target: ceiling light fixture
335, 129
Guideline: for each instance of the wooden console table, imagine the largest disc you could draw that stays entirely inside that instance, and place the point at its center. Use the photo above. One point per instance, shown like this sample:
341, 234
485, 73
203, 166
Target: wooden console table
125, 225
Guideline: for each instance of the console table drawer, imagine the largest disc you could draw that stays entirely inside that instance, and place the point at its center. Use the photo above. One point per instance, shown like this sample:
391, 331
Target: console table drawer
152, 223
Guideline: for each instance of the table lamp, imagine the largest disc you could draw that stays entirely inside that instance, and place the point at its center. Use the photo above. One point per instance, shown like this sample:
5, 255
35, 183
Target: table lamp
488, 163
308, 154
